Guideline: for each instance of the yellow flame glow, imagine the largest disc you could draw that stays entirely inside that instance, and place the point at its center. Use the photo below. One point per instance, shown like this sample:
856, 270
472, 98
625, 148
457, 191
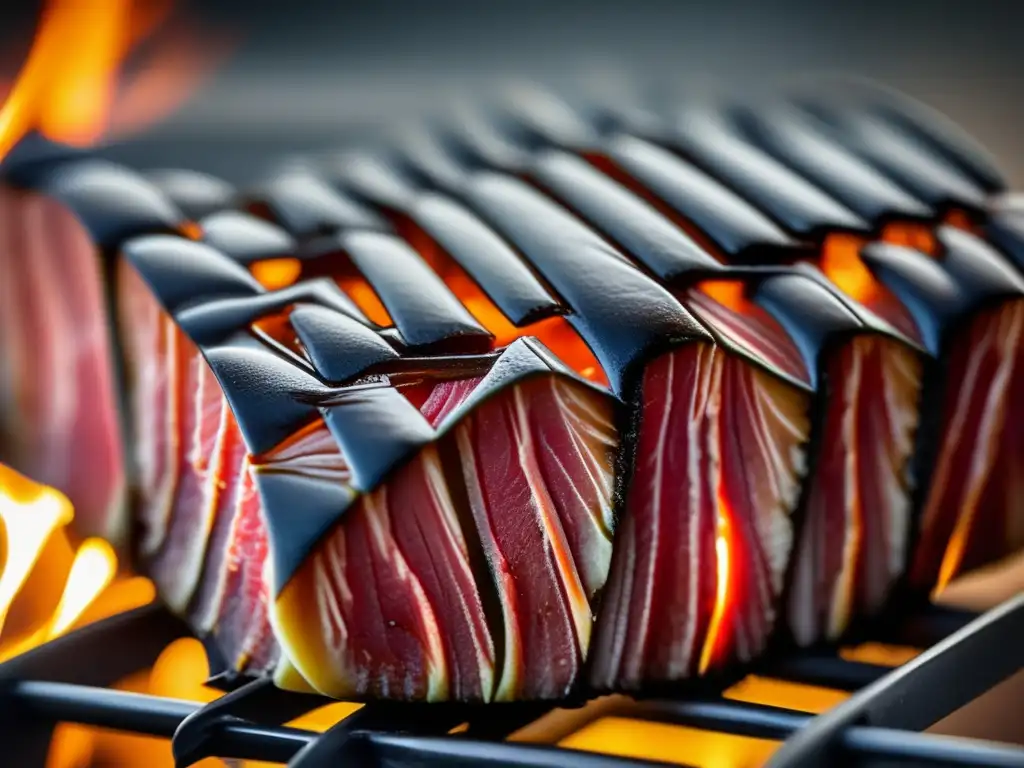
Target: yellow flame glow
31, 514
955, 549
626, 737
91, 572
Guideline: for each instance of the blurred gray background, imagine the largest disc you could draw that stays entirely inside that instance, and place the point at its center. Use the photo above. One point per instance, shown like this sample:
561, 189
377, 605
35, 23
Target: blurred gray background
315, 73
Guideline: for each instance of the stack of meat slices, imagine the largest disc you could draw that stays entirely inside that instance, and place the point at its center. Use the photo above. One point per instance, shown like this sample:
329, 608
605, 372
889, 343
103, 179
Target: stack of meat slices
540, 401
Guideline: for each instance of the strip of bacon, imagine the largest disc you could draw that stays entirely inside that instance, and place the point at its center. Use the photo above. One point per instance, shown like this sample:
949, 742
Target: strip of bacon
209, 595
575, 459
176, 567
400, 611
243, 624
763, 428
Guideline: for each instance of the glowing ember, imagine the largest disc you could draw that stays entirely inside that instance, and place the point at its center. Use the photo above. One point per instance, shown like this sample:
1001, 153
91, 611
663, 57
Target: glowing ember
917, 236
277, 273
626, 737
729, 293
766, 691
841, 262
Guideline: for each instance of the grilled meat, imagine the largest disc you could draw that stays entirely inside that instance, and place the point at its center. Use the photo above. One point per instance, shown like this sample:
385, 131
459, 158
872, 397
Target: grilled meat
540, 400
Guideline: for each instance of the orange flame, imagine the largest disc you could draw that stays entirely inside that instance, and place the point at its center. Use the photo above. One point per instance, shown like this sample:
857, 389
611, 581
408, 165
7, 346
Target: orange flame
68, 87
723, 547
33, 519
729, 293
277, 273
913, 235
47, 588
34, 548
841, 263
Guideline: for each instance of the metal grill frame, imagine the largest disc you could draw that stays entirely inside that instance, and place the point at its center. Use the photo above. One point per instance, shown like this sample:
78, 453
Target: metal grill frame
881, 723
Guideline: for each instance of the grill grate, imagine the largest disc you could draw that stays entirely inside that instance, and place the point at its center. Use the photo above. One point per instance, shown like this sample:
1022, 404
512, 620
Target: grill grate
63, 681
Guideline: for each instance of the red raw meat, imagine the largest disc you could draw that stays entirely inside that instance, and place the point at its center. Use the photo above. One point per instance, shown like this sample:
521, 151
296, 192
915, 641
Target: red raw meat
57, 392
701, 554
853, 542
417, 627
530, 510
974, 508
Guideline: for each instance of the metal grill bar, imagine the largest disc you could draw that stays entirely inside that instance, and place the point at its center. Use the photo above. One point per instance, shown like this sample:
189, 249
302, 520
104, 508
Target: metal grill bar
66, 702
396, 735
148, 629
825, 671
200, 733
150, 715
923, 627
754, 720
888, 746
916, 695
366, 735
862, 741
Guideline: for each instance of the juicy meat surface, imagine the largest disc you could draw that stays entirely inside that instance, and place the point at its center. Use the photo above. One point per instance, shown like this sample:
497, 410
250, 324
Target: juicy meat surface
387, 605
201, 537
852, 545
463, 577
543, 519
702, 551
58, 413
392, 602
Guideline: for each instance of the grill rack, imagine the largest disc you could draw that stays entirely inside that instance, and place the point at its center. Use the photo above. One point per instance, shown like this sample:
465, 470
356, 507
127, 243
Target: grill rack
881, 723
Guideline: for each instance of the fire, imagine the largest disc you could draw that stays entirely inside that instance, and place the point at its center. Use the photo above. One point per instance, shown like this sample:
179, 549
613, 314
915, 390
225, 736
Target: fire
48, 588
723, 545
841, 263
554, 332
69, 89
728, 293
91, 573
34, 550
34, 546
954, 554
277, 273
360, 291
910, 235
32, 516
